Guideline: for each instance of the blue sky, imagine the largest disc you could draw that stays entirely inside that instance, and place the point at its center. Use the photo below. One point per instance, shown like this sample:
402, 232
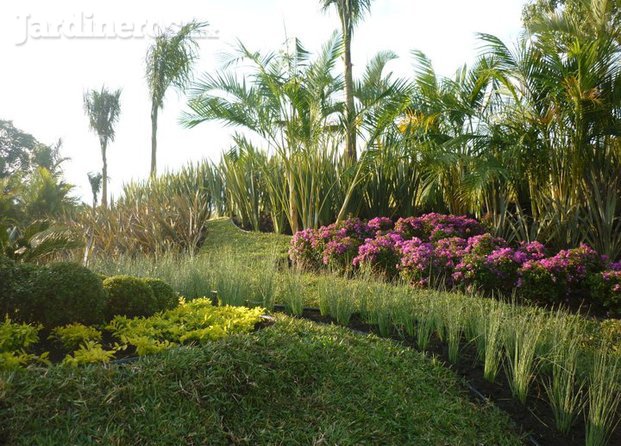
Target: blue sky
43, 79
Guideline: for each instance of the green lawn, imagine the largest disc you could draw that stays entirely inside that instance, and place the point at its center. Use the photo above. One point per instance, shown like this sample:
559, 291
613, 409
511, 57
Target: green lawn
295, 382
223, 235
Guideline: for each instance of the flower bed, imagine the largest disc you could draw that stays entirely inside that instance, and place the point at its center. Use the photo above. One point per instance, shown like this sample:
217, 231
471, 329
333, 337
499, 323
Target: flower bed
457, 252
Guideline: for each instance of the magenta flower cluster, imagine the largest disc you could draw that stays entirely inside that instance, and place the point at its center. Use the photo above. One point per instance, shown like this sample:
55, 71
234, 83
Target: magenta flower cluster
457, 252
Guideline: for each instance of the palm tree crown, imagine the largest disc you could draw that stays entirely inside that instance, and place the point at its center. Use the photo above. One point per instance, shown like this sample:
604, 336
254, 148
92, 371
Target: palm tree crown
169, 62
103, 109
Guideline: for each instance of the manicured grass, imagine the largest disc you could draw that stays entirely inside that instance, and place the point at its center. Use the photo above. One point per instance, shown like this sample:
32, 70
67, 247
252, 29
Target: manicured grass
223, 235
295, 382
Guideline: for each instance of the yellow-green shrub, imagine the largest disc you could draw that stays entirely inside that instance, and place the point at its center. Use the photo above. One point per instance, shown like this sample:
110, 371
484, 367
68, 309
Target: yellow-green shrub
73, 335
192, 322
90, 352
15, 340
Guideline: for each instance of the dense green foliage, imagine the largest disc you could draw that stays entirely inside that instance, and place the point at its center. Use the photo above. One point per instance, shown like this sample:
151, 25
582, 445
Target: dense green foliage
62, 293
292, 383
129, 296
165, 297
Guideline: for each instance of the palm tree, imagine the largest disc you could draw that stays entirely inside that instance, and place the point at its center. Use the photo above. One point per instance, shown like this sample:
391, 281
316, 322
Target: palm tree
350, 13
95, 181
169, 62
103, 109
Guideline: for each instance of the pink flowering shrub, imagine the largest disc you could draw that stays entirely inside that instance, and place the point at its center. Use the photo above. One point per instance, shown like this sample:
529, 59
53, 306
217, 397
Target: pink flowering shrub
422, 262
560, 276
433, 227
457, 252
489, 265
380, 254
339, 253
418, 261
305, 249
380, 225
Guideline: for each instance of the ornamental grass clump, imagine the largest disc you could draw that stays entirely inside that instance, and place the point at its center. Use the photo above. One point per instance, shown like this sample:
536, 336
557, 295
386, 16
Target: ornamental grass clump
563, 387
491, 333
451, 311
291, 292
404, 310
603, 399
521, 342
231, 280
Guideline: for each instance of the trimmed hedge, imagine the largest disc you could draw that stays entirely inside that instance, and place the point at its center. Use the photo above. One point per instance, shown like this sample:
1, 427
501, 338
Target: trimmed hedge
166, 298
129, 296
62, 293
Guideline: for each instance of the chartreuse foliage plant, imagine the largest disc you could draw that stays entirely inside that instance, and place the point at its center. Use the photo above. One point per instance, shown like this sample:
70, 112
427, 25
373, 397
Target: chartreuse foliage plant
193, 322
16, 340
72, 336
89, 352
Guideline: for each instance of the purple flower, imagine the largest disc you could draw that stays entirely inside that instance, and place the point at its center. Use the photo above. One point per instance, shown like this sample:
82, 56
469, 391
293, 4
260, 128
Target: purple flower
380, 224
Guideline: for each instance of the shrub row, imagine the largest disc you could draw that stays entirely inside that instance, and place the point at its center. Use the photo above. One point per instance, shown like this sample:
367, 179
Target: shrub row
64, 293
457, 252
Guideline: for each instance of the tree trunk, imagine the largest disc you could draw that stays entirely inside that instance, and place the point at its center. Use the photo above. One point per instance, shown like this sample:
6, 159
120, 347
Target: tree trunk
154, 111
104, 175
350, 111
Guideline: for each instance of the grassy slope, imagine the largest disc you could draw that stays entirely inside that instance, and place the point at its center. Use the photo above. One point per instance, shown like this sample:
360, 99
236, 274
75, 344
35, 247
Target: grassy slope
293, 383
223, 235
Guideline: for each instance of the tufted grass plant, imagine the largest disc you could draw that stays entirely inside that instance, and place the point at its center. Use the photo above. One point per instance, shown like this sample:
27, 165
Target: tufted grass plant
491, 334
603, 398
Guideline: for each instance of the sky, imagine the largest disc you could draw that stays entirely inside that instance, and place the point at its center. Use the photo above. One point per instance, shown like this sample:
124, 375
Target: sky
52, 52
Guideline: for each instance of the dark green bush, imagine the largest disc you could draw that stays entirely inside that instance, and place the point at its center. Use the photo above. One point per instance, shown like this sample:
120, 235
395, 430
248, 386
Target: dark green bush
7, 283
63, 293
16, 287
129, 296
165, 296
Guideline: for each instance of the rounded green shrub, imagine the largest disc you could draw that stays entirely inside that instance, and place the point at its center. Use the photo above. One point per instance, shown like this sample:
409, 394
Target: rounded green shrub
165, 296
129, 296
63, 293
15, 286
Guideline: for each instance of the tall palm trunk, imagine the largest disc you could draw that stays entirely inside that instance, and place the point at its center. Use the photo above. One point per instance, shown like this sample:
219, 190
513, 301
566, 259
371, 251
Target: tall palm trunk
154, 111
350, 112
104, 174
